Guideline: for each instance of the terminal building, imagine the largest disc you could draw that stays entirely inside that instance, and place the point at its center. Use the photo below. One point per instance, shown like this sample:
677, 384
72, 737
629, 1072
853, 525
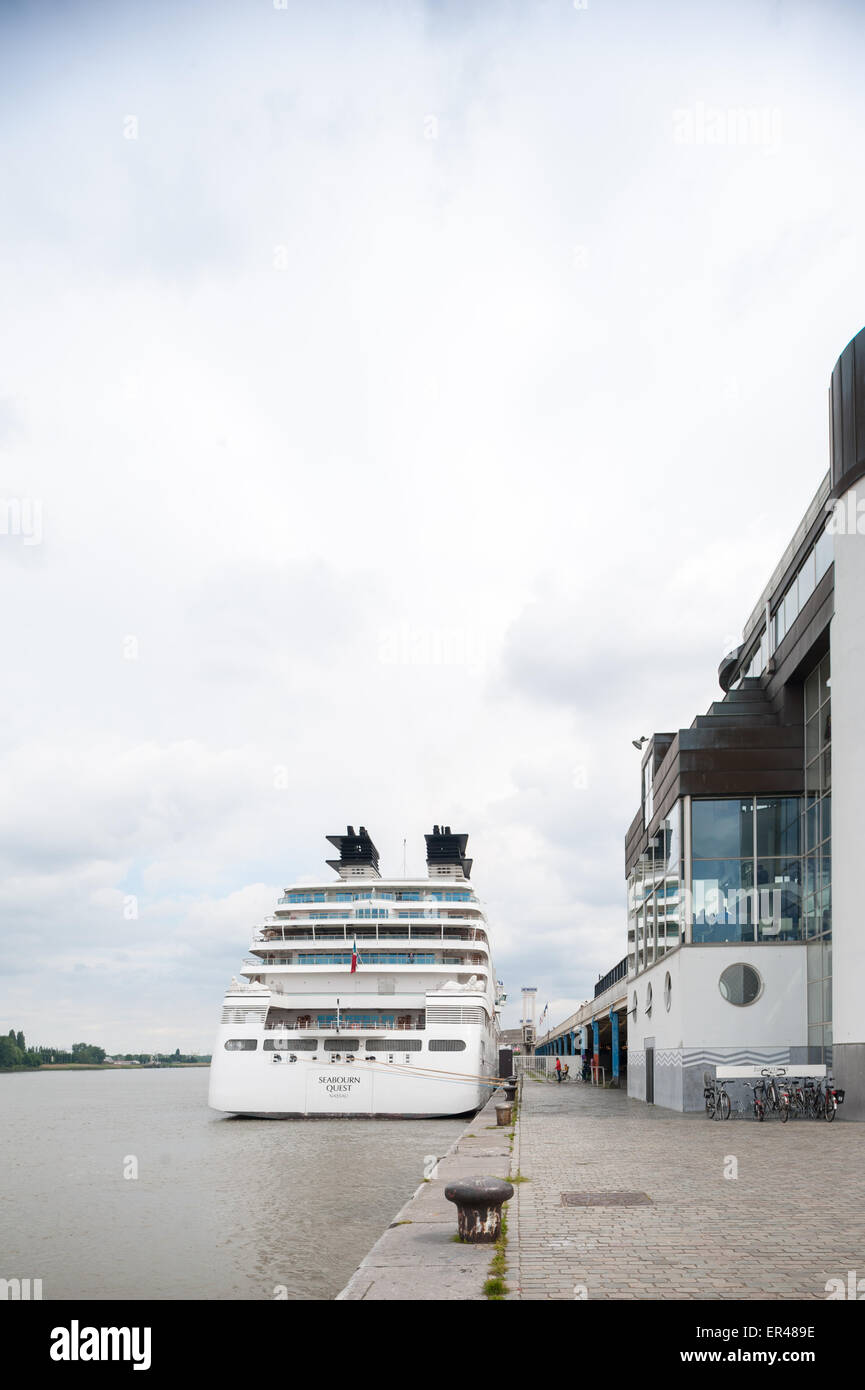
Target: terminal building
745, 932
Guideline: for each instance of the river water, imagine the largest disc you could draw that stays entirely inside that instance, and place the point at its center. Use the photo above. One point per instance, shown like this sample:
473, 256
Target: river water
220, 1209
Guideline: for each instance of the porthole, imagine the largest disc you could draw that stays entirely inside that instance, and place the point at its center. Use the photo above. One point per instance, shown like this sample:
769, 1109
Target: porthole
634, 1004
668, 991
740, 984
648, 999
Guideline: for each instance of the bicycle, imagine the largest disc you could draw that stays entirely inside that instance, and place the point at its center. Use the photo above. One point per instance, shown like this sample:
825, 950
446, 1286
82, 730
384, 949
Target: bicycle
833, 1097
759, 1101
773, 1095
788, 1103
715, 1097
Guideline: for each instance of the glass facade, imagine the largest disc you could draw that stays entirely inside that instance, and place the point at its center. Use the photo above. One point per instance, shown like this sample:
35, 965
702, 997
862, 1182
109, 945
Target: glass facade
654, 895
793, 600
817, 859
746, 869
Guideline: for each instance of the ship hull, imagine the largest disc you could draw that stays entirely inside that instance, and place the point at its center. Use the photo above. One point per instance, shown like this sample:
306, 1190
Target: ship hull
268, 1085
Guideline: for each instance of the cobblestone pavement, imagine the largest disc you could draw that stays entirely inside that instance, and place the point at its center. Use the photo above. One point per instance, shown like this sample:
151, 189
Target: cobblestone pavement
792, 1219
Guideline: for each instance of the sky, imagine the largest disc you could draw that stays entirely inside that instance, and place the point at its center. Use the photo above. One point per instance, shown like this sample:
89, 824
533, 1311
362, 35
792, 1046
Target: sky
402, 407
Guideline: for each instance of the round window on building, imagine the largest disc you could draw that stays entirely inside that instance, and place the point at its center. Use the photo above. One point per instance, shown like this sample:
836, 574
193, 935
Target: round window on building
634, 1004
649, 999
740, 984
668, 991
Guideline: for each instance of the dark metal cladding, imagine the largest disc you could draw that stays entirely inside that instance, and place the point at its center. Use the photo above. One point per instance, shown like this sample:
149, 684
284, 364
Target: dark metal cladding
442, 847
353, 848
847, 416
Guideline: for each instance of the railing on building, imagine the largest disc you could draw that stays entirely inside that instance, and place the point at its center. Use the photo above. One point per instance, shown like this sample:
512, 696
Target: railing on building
618, 972
543, 1068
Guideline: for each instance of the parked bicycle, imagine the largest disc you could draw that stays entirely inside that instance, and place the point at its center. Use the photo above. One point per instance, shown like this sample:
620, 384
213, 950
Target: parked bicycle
716, 1099
772, 1094
759, 1098
833, 1096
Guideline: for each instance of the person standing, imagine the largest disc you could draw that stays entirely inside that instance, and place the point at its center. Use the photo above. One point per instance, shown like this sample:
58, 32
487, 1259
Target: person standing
559, 1070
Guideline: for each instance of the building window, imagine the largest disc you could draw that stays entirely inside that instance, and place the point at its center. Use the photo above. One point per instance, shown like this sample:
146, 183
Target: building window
722, 829
648, 792
816, 834
668, 991
649, 999
740, 984
654, 895
746, 869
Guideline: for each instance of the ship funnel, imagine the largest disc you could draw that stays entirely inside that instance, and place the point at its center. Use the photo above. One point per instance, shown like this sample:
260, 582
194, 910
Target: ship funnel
446, 854
358, 856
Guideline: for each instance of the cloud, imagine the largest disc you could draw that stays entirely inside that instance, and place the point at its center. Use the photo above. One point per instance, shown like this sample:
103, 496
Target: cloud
414, 423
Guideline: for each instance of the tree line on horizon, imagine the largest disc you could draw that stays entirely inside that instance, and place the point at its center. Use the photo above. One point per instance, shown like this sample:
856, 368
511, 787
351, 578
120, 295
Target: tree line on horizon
14, 1052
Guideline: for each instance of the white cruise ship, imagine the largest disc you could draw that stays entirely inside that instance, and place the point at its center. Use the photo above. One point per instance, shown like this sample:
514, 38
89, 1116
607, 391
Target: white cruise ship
364, 996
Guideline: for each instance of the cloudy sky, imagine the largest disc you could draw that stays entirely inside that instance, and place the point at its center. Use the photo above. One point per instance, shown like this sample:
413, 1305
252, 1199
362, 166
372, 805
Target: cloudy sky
402, 406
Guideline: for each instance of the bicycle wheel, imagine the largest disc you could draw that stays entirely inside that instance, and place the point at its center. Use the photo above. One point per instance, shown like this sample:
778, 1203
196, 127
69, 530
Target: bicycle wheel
829, 1112
784, 1112
761, 1113
723, 1111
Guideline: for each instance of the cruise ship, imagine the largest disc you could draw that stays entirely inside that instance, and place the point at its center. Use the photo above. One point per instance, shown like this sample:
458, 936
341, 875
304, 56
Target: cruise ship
365, 996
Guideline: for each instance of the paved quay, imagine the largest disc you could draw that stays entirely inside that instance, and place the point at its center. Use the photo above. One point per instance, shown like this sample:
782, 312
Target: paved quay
792, 1219
417, 1257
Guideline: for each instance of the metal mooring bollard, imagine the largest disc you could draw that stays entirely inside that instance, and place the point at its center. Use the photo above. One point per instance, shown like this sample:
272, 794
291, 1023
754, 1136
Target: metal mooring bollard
479, 1207
503, 1114
510, 1092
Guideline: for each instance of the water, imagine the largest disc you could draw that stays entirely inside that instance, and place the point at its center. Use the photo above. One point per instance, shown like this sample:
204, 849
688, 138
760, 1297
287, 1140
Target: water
221, 1208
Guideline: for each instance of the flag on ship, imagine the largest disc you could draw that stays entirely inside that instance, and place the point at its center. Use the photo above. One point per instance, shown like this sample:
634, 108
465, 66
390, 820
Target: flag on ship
354, 959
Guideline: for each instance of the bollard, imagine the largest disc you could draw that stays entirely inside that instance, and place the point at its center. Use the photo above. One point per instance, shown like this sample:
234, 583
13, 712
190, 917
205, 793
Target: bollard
503, 1114
510, 1092
479, 1207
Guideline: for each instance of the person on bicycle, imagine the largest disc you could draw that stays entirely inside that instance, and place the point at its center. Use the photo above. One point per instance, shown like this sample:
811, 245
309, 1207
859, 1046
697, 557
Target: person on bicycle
566, 1071
558, 1069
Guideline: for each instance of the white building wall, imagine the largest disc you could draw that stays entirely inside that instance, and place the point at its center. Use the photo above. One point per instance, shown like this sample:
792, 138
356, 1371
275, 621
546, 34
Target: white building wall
701, 1030
848, 812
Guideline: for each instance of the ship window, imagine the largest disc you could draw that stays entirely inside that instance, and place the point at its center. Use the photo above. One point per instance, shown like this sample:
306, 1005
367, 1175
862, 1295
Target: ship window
290, 1044
241, 1045
388, 1045
446, 1045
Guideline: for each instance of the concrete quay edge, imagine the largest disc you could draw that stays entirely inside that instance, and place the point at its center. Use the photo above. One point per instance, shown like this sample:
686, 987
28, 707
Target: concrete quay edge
417, 1258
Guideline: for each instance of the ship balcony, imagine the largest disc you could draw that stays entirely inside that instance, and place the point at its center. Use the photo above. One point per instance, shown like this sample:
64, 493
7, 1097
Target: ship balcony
316, 1023
273, 930
377, 914
476, 964
375, 891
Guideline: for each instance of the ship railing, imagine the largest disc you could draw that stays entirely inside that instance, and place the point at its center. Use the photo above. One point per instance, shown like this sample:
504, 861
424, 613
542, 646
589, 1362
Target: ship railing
344, 1027
260, 962
278, 928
